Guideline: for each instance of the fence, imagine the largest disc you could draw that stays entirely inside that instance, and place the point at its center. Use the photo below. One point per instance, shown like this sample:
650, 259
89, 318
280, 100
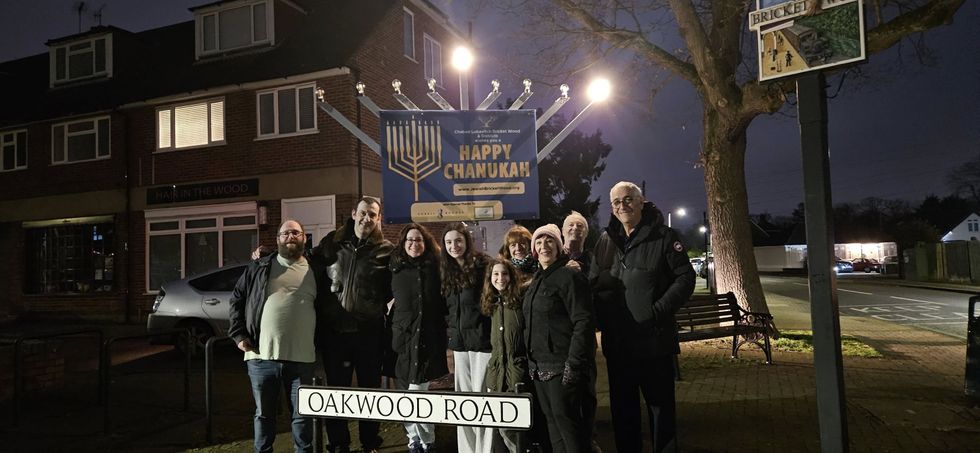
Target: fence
954, 262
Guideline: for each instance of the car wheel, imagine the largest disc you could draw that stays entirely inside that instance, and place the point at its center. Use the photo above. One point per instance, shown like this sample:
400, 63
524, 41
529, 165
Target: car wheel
200, 333
867, 270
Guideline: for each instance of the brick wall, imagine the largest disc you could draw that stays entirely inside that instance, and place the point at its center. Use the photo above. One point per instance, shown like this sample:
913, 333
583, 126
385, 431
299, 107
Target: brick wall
44, 367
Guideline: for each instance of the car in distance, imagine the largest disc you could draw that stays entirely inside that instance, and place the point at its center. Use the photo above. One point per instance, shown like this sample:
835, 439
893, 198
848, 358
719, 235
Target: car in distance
843, 266
198, 303
866, 265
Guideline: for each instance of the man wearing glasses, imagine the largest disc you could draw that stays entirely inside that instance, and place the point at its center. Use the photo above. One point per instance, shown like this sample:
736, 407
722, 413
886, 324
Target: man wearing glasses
275, 312
640, 277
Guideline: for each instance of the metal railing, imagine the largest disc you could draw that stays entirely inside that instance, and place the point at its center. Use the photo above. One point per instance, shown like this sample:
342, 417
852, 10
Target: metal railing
19, 366
105, 368
208, 378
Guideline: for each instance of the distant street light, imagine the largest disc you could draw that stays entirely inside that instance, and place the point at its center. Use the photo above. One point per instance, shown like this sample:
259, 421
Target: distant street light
681, 212
599, 90
462, 60
703, 229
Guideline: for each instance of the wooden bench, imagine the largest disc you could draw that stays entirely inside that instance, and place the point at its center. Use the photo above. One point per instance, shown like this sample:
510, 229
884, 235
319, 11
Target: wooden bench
719, 316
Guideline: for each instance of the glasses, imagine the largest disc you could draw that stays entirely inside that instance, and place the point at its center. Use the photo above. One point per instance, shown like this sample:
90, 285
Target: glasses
413, 239
293, 233
619, 202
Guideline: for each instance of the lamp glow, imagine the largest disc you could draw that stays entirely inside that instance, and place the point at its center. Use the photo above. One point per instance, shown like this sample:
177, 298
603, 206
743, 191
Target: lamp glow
681, 212
462, 58
599, 90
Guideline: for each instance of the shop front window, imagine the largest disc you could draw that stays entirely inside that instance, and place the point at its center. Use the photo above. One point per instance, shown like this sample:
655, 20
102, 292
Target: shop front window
70, 259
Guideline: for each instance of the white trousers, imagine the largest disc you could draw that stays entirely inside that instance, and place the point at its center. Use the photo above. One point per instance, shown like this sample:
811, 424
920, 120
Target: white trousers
471, 368
423, 434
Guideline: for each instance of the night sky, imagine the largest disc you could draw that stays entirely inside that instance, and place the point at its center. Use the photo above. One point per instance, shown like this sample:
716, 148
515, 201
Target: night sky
896, 129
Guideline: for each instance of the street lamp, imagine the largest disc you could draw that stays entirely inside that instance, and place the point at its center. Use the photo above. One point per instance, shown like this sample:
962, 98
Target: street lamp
462, 60
681, 212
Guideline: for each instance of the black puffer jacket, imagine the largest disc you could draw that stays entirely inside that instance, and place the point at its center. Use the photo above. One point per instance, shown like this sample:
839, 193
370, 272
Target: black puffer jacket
638, 285
558, 321
359, 277
418, 324
469, 329
248, 300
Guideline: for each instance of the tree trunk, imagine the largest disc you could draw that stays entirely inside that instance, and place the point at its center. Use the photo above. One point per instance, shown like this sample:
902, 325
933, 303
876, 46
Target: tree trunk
728, 212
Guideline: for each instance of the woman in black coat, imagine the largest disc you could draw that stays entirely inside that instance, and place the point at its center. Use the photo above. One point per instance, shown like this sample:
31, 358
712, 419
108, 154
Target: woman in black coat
418, 321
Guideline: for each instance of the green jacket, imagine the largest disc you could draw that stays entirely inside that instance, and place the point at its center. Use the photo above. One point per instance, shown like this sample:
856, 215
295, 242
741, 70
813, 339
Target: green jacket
508, 358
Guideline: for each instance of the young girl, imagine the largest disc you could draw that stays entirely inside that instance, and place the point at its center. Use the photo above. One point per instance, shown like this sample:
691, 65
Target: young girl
469, 330
501, 301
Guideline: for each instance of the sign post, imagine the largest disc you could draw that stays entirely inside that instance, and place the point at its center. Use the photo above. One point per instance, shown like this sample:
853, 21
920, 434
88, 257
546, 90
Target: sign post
803, 37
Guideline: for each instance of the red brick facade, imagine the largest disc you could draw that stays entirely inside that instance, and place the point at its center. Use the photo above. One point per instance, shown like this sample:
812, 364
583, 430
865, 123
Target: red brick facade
117, 186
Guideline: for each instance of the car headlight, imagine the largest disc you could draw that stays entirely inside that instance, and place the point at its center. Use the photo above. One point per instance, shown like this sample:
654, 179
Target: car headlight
159, 298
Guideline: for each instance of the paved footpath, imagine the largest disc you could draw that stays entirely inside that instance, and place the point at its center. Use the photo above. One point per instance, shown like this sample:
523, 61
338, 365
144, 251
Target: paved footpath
910, 400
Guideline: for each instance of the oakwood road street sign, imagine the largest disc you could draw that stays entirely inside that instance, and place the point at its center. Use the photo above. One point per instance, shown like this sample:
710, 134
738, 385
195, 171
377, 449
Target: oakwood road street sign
489, 410
443, 166
797, 36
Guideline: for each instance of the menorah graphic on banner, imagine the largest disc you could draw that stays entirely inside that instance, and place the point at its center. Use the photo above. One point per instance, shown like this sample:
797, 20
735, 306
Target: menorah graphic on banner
414, 149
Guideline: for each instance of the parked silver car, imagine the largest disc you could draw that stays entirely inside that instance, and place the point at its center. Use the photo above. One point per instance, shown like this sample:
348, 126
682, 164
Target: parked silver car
198, 303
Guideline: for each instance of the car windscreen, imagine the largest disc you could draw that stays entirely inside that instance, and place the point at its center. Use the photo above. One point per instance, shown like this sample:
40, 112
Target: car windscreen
221, 281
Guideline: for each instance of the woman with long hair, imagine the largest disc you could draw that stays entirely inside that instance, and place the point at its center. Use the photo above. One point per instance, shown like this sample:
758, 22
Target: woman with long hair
501, 301
418, 322
469, 329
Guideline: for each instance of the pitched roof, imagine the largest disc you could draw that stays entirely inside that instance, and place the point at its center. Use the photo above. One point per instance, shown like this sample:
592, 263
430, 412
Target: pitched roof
161, 62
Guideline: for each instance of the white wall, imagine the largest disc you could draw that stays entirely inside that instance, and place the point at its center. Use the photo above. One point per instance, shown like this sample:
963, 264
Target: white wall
962, 232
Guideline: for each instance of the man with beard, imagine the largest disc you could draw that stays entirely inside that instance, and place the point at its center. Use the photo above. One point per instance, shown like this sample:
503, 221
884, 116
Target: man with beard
275, 312
640, 277
356, 337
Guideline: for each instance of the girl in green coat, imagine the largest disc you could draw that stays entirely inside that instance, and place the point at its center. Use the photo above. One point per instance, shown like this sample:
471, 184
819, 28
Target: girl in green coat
501, 300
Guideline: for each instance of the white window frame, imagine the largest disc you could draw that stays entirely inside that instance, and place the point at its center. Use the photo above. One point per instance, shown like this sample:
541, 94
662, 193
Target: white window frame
95, 128
426, 39
275, 112
182, 216
199, 27
173, 125
53, 60
412, 44
12, 136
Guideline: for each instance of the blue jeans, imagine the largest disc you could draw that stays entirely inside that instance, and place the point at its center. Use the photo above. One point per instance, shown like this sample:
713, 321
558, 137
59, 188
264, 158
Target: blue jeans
268, 377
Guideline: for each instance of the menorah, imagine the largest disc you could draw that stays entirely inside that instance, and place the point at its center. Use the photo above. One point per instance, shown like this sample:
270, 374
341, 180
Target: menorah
414, 149
418, 158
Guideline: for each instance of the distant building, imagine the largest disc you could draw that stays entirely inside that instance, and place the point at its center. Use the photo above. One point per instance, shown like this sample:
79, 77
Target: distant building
131, 159
966, 230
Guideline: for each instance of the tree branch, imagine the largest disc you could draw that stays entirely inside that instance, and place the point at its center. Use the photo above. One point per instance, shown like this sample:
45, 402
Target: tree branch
930, 15
629, 39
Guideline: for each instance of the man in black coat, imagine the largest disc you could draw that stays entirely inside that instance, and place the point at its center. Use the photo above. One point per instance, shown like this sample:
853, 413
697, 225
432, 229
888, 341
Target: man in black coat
357, 257
640, 277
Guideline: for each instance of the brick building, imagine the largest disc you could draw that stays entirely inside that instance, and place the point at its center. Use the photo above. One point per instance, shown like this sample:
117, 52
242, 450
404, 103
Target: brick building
131, 159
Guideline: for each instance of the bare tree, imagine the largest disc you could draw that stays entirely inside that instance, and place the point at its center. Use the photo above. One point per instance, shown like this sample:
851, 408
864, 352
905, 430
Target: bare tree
714, 58
965, 180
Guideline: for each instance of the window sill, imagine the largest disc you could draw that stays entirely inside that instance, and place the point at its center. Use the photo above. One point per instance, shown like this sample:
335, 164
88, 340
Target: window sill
292, 134
188, 148
82, 161
13, 169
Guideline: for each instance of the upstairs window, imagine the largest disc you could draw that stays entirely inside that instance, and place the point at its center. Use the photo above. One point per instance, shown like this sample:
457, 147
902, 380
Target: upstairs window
80, 141
286, 110
408, 33
234, 28
191, 125
13, 150
81, 60
433, 59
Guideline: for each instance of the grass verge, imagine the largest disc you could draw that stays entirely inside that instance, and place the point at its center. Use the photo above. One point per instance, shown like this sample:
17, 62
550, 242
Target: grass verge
802, 341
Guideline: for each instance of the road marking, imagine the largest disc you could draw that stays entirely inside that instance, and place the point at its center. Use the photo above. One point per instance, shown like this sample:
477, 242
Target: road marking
918, 300
856, 292
802, 284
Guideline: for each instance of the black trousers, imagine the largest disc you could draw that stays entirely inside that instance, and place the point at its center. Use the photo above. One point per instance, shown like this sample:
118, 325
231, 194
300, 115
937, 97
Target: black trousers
570, 413
346, 354
655, 378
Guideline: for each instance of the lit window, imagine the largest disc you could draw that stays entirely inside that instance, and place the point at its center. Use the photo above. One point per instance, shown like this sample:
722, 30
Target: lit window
234, 28
286, 110
81, 60
13, 150
191, 125
80, 141
433, 60
408, 34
